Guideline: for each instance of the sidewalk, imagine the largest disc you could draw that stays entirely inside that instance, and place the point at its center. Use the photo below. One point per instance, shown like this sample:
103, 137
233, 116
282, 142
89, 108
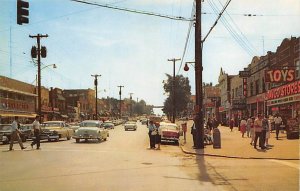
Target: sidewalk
234, 146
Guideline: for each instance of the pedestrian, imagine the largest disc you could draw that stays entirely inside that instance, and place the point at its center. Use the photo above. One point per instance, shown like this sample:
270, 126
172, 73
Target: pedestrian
231, 124
193, 132
272, 123
215, 123
278, 122
248, 127
268, 132
158, 135
209, 124
184, 130
37, 131
151, 134
243, 125
265, 126
15, 134
257, 129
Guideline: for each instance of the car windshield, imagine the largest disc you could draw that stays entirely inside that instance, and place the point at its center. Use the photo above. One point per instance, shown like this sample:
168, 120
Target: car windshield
107, 124
170, 127
5, 127
52, 125
89, 124
130, 122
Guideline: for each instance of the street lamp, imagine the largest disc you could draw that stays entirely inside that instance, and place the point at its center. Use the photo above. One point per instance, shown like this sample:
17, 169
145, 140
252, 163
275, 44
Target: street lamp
38, 85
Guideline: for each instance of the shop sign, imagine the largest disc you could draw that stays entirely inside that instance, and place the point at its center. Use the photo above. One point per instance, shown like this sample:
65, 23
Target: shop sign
221, 109
239, 104
284, 100
280, 75
283, 91
244, 74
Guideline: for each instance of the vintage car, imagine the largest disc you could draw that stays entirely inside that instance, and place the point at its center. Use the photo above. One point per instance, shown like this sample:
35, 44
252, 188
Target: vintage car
27, 130
130, 125
169, 132
108, 125
5, 133
56, 130
91, 129
144, 121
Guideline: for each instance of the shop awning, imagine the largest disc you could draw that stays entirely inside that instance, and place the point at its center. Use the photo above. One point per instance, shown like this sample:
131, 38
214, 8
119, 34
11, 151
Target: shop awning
17, 91
26, 115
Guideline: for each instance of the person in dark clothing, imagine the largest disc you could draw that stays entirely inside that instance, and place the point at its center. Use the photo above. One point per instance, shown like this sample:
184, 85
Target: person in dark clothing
151, 133
265, 127
36, 131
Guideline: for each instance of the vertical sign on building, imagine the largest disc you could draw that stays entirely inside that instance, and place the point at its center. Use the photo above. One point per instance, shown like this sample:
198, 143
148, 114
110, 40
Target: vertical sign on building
245, 87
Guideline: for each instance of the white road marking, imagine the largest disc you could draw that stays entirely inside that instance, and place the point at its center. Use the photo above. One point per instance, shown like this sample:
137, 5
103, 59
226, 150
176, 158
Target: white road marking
293, 165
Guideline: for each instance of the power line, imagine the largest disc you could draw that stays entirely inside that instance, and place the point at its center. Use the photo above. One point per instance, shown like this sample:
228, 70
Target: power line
187, 37
179, 18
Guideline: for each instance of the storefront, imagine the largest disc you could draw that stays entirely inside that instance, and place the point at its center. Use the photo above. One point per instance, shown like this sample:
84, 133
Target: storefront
285, 101
256, 104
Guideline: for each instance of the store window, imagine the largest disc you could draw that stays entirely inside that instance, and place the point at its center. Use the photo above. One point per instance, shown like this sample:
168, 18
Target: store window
257, 87
263, 84
251, 89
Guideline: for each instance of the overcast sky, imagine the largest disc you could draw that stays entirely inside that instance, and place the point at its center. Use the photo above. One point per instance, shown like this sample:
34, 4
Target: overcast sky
132, 49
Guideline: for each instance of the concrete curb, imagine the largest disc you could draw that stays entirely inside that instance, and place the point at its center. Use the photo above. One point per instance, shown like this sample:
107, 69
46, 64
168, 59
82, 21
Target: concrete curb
234, 157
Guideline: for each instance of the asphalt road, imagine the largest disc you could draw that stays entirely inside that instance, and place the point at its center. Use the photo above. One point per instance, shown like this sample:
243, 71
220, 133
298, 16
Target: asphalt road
124, 162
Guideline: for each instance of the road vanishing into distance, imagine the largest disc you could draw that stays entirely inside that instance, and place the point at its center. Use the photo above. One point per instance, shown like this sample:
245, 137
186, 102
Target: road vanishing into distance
124, 162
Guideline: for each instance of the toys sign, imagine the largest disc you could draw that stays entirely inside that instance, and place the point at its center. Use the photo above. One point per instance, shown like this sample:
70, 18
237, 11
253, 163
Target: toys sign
280, 75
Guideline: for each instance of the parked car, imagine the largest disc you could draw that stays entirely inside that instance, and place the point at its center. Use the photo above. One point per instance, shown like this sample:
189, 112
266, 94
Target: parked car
108, 125
56, 130
74, 126
169, 132
27, 130
130, 125
91, 129
144, 121
5, 133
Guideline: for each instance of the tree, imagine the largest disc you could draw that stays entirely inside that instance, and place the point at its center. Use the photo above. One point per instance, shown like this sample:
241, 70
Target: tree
141, 108
182, 94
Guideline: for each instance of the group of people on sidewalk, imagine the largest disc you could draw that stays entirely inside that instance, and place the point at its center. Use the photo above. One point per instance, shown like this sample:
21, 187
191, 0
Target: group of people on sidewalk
259, 129
154, 135
15, 134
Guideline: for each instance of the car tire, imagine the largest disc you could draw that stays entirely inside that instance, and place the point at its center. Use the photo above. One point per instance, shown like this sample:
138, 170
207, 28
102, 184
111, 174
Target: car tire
57, 140
99, 140
68, 137
23, 139
176, 142
77, 140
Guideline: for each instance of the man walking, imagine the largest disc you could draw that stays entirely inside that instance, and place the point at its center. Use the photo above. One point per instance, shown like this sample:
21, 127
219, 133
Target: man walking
265, 127
36, 131
278, 121
257, 129
15, 134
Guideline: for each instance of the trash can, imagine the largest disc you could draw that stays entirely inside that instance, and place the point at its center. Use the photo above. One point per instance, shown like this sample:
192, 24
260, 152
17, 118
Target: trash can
216, 138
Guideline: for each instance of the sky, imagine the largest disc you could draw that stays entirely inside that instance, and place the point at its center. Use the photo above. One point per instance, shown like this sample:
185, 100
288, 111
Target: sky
132, 49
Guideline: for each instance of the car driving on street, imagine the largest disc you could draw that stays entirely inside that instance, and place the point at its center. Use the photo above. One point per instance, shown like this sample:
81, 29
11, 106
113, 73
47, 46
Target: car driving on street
91, 129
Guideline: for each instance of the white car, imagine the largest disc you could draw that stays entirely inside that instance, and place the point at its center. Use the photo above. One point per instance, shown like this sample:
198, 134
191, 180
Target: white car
130, 125
91, 129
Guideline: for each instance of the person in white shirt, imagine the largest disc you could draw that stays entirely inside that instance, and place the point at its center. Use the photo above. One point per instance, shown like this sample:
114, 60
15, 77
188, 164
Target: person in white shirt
278, 122
15, 134
36, 130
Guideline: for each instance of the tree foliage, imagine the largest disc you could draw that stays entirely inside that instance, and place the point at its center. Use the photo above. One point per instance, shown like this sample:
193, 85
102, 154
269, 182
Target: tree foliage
182, 94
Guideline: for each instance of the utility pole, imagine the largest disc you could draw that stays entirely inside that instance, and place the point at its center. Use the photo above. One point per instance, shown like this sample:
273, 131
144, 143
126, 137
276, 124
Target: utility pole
130, 104
96, 89
38, 51
120, 93
199, 137
173, 89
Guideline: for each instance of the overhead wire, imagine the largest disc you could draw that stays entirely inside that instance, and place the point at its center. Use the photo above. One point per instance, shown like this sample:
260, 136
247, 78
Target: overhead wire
232, 32
178, 18
187, 37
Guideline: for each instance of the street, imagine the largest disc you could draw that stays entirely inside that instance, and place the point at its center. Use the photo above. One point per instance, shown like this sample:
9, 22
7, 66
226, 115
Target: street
124, 162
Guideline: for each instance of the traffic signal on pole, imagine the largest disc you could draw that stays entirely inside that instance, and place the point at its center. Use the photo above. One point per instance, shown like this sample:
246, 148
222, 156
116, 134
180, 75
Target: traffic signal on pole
43, 52
22, 12
33, 52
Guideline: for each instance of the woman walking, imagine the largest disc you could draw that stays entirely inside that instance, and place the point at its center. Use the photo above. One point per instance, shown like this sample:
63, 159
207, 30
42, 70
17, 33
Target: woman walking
158, 135
243, 125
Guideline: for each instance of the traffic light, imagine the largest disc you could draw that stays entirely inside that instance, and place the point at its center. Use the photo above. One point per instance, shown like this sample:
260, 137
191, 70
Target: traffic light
22, 12
33, 52
43, 52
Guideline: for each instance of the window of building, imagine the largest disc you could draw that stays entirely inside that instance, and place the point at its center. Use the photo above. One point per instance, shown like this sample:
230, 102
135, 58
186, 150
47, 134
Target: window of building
251, 89
232, 93
257, 87
297, 64
263, 84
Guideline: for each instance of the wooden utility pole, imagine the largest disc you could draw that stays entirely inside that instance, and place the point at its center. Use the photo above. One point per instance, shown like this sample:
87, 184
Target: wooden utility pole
96, 89
130, 104
173, 90
199, 137
120, 93
38, 39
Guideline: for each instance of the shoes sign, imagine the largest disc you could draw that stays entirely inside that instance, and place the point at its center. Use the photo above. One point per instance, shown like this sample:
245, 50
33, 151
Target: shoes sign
280, 75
